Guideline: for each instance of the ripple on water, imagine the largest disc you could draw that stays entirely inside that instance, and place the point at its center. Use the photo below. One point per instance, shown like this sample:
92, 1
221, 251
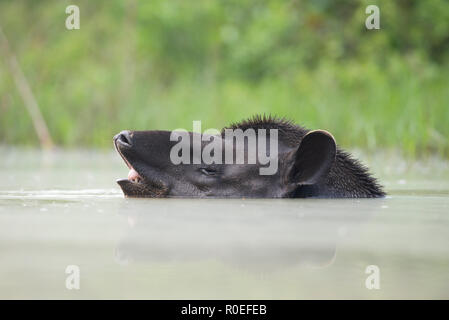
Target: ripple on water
60, 194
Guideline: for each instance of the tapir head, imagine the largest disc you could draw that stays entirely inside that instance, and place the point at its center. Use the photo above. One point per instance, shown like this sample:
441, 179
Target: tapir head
173, 164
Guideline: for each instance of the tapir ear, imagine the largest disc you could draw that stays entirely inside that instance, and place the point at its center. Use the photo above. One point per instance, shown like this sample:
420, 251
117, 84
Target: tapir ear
314, 157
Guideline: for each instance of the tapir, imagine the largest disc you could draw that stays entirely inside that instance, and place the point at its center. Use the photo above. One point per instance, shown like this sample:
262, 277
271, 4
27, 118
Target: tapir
307, 163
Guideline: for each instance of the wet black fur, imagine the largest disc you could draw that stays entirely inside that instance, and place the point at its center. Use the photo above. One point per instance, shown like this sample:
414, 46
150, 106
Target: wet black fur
348, 178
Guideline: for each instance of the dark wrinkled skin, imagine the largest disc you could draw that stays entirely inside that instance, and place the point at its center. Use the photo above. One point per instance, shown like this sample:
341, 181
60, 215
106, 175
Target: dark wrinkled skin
310, 165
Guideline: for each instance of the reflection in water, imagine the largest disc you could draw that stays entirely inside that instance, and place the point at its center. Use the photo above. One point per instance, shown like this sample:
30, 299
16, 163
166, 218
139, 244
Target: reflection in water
64, 208
253, 234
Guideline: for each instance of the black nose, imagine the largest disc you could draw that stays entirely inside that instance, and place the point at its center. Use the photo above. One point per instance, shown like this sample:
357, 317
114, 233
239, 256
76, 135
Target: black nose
123, 137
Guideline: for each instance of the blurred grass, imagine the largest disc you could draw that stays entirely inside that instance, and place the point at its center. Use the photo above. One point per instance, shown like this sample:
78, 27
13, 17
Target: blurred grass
161, 65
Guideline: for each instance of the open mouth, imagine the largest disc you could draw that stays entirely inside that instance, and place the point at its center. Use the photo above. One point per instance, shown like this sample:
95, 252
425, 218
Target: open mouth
133, 175
136, 185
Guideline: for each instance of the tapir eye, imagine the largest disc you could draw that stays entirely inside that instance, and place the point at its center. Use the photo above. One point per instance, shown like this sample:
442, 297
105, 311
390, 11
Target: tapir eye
208, 171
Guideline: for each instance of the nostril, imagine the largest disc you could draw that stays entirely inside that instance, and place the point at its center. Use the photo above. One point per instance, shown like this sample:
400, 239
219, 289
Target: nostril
124, 137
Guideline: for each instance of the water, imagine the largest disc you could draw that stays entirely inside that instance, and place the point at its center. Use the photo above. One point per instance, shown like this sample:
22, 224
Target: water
64, 208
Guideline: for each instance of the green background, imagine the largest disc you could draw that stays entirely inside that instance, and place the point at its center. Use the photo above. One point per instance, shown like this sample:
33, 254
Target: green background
161, 64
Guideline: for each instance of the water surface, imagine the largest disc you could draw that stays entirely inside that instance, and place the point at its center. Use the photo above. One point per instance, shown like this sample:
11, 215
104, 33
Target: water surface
64, 208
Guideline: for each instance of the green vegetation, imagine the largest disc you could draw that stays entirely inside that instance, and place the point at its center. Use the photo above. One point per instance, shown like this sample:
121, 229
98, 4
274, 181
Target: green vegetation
161, 64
